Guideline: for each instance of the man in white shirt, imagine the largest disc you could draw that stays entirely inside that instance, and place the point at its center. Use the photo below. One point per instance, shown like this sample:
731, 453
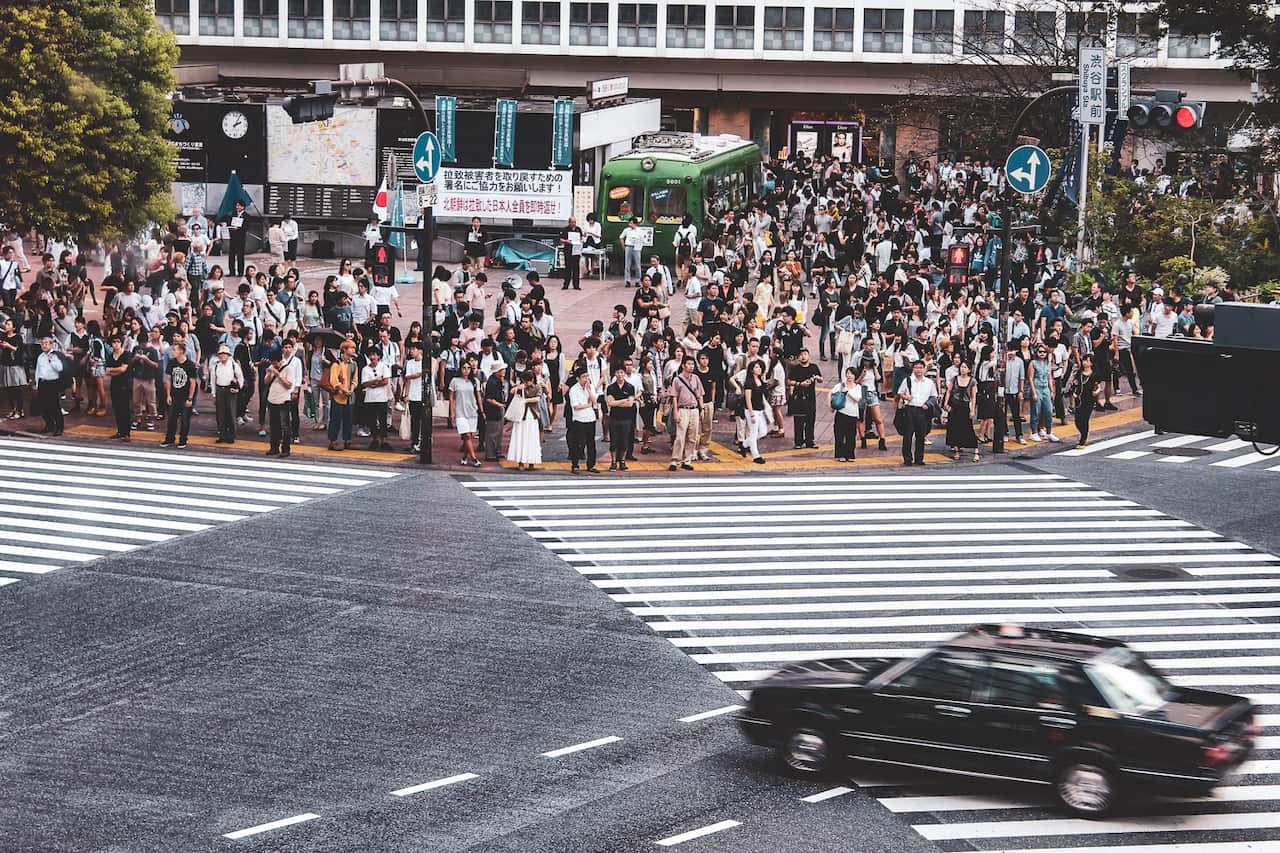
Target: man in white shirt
386, 297
658, 268
375, 379
284, 380
1163, 320
584, 406
913, 396
289, 233
633, 239
363, 306
413, 392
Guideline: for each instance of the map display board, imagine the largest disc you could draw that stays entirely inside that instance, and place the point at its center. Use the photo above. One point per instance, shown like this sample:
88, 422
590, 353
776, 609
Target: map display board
339, 152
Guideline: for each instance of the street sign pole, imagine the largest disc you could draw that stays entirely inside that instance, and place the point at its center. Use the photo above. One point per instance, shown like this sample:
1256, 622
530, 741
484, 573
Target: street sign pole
426, 231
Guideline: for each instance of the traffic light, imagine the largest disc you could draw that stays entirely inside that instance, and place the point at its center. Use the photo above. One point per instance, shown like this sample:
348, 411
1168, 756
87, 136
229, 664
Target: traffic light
383, 268
957, 266
1166, 109
317, 106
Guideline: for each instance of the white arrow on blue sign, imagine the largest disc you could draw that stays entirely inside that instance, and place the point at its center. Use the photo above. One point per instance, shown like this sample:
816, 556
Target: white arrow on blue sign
426, 157
1027, 169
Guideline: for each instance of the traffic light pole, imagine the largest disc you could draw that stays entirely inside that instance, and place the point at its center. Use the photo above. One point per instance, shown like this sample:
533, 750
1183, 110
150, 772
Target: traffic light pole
426, 235
1006, 273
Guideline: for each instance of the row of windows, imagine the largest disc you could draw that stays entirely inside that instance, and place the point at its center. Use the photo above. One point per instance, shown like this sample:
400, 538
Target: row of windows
883, 31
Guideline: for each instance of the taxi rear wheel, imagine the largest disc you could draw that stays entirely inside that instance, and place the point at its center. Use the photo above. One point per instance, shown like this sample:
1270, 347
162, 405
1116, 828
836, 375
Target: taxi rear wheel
1086, 788
809, 750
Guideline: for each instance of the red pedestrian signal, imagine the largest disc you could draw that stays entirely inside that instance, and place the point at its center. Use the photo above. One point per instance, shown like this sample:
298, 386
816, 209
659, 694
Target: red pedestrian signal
959, 257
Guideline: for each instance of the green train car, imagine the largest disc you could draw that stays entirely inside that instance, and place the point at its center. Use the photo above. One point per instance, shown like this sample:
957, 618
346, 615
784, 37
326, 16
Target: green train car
666, 175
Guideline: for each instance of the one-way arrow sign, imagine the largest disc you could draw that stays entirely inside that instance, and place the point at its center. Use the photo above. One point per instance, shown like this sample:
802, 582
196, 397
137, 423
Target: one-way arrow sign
426, 157
1027, 169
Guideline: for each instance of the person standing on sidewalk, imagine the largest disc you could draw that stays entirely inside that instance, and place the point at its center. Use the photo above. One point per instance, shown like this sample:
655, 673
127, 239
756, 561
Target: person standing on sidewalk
495, 408
621, 396
183, 375
414, 371
571, 242
632, 245
802, 381
342, 387
117, 367
227, 379
848, 395
50, 366
283, 376
1015, 381
584, 408
686, 392
913, 395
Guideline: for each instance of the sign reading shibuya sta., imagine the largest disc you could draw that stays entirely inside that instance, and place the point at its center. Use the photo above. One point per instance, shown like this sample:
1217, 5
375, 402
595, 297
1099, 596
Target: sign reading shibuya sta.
505, 194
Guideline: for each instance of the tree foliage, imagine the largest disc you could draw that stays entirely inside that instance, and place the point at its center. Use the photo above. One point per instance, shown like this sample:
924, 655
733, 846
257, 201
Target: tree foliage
1248, 34
82, 119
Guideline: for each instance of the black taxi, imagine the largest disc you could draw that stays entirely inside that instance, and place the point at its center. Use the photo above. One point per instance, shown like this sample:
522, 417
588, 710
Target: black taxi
1087, 715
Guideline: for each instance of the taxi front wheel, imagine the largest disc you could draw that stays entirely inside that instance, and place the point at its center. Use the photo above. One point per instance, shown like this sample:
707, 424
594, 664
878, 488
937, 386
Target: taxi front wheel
809, 750
1086, 788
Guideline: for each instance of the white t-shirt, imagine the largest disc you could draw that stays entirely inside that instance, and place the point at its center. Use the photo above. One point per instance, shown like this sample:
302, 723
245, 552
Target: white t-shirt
411, 366
917, 391
633, 238
383, 295
292, 371
362, 308
381, 393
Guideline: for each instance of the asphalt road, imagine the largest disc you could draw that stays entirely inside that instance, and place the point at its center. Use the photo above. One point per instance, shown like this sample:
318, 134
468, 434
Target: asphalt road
314, 660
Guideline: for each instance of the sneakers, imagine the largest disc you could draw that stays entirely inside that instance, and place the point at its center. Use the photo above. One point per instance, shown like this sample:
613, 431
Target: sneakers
1035, 436
181, 444
1020, 440
1053, 438
166, 443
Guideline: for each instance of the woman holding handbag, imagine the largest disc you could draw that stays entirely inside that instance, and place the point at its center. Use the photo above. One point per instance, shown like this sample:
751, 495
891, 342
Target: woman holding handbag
525, 448
846, 401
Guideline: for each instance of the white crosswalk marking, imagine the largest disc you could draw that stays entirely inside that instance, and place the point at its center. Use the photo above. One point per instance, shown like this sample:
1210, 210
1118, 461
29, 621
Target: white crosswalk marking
747, 576
64, 504
1181, 450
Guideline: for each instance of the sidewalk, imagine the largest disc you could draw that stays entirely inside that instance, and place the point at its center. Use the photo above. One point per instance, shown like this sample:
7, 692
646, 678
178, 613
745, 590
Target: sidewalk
574, 312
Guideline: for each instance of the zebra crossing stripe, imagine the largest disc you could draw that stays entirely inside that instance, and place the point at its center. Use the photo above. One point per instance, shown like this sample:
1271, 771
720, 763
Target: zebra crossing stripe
65, 504
745, 580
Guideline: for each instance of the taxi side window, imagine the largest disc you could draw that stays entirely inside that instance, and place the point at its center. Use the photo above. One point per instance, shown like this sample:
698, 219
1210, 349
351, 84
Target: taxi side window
941, 676
1021, 686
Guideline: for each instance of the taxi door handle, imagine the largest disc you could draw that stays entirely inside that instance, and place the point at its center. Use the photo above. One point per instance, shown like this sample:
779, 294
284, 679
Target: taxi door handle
1058, 722
953, 710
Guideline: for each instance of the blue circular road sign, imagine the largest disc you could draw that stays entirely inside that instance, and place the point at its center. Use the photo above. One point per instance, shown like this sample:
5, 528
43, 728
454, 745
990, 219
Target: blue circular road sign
1027, 169
426, 157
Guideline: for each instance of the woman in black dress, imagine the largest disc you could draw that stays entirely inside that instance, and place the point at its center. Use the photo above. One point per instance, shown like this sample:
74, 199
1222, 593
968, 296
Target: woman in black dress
959, 408
553, 357
1088, 387
1104, 357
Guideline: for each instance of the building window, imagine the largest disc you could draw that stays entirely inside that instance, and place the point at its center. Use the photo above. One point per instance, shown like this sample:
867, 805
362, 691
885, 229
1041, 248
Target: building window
833, 29
784, 28
493, 21
686, 26
398, 20
174, 15
1086, 30
262, 18
1137, 34
638, 25
217, 18
983, 32
1035, 33
736, 27
933, 31
351, 19
882, 30
540, 22
589, 24
1185, 46
447, 20
306, 19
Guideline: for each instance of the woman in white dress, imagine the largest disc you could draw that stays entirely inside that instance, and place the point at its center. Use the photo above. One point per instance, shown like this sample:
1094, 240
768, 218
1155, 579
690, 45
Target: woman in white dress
525, 448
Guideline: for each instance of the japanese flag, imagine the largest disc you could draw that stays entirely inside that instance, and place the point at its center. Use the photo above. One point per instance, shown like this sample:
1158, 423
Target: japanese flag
380, 201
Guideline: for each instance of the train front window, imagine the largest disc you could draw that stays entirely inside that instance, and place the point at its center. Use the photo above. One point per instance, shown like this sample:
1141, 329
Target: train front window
624, 203
666, 205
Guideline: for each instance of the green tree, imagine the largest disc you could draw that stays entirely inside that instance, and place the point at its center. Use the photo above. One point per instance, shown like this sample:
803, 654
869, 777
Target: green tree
83, 115
1248, 34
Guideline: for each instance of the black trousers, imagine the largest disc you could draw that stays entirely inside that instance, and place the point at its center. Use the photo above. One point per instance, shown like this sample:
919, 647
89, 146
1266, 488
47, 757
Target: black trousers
622, 433
582, 442
179, 422
235, 253
246, 392
803, 428
281, 433
1084, 411
846, 429
913, 441
1014, 405
48, 403
377, 420
572, 272
122, 405
225, 411
416, 410
1127, 369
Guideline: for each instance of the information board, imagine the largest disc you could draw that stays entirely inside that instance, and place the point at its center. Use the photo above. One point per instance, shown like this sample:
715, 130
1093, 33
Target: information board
317, 201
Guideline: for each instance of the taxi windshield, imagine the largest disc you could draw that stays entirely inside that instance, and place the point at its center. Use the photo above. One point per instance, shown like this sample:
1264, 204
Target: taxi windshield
1126, 682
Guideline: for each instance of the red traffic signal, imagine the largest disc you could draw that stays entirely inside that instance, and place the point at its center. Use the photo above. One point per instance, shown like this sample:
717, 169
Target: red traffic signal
958, 256
1188, 115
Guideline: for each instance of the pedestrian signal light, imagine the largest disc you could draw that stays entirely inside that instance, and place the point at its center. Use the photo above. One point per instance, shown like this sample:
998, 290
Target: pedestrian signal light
383, 267
959, 256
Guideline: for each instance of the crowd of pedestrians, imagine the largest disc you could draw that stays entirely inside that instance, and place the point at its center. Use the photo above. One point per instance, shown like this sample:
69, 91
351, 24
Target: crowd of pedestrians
828, 291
